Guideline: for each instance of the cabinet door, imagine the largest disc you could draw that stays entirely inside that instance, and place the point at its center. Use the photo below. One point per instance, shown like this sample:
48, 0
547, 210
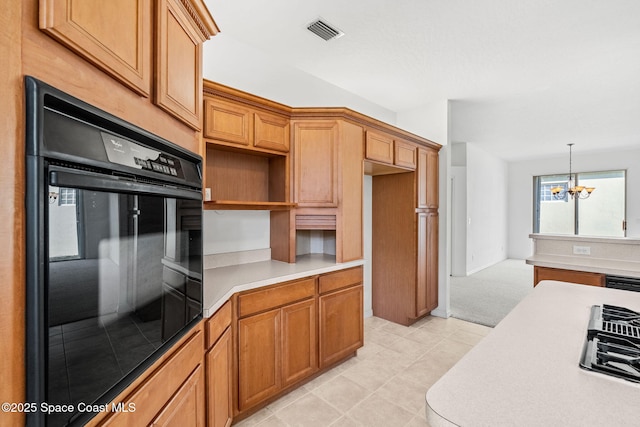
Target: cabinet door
114, 35
427, 263
421, 266
405, 154
178, 86
379, 147
315, 164
299, 355
432, 261
341, 324
258, 358
186, 407
219, 398
225, 121
271, 132
427, 177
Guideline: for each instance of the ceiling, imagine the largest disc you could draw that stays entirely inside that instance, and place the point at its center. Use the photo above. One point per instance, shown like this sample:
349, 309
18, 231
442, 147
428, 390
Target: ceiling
524, 77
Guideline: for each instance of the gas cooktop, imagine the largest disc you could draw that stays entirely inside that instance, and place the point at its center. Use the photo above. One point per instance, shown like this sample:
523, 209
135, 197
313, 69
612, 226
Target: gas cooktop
612, 346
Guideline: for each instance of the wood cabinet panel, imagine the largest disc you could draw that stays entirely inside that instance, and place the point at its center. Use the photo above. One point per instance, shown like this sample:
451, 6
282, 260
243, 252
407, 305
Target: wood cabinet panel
571, 276
178, 88
427, 263
271, 132
226, 121
299, 349
186, 407
155, 394
315, 164
379, 147
217, 324
340, 279
432, 260
275, 296
427, 179
349, 235
219, 364
405, 154
340, 325
115, 36
259, 358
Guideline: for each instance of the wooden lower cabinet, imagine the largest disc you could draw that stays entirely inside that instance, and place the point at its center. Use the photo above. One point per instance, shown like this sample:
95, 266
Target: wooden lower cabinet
341, 324
186, 407
219, 363
276, 349
258, 358
172, 394
287, 333
299, 356
571, 276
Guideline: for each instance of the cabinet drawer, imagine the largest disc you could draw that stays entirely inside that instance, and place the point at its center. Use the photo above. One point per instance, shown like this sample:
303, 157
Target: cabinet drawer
341, 279
157, 390
379, 147
218, 323
275, 296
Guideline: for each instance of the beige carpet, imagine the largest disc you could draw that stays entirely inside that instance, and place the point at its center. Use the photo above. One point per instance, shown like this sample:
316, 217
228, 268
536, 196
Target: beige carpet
487, 296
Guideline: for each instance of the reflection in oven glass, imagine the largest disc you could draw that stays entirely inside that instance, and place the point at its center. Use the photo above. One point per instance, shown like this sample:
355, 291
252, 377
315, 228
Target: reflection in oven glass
124, 276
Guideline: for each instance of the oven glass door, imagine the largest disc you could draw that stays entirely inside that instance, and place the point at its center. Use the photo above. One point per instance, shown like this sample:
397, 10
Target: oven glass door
124, 275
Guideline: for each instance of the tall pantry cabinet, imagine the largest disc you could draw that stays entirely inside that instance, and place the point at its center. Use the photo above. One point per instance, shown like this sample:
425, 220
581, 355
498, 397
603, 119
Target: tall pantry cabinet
405, 239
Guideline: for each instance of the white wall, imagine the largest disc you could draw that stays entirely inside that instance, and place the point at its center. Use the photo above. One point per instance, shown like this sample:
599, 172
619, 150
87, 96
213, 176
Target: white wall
240, 66
428, 121
235, 231
521, 190
487, 207
479, 209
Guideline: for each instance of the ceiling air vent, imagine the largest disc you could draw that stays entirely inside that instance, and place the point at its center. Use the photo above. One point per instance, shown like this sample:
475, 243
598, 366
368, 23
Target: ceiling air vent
324, 30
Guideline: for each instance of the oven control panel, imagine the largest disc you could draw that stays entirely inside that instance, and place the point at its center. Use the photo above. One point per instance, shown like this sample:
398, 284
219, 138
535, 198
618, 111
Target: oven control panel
128, 153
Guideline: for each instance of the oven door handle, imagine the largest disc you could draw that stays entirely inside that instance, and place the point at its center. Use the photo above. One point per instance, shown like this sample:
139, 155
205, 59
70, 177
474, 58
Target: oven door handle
71, 178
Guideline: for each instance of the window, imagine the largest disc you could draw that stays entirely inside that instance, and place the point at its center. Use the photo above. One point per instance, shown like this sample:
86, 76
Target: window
602, 214
67, 197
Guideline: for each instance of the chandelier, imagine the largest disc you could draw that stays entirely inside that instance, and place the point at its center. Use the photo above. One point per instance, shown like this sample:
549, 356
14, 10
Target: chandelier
575, 191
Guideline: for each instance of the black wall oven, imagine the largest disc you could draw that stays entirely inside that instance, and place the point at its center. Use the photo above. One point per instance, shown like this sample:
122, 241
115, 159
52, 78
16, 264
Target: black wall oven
114, 253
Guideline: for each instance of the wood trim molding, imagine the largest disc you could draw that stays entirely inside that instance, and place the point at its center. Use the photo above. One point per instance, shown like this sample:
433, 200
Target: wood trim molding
328, 113
201, 17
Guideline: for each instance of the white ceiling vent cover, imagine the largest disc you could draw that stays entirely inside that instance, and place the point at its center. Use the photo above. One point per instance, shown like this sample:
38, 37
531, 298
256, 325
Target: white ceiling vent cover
324, 30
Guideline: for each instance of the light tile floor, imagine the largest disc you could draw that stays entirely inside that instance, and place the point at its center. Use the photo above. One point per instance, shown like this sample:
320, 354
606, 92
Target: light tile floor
384, 385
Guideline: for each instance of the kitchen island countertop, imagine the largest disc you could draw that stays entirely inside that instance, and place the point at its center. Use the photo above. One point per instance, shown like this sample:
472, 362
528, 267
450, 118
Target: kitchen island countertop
526, 372
222, 282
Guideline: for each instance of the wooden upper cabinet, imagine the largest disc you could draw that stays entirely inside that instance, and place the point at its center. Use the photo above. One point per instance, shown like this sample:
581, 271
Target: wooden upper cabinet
379, 147
122, 38
427, 177
114, 35
235, 123
405, 154
386, 149
226, 121
316, 163
271, 132
181, 28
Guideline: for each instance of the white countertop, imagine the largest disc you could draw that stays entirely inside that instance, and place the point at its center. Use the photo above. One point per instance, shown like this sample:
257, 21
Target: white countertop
222, 282
526, 373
